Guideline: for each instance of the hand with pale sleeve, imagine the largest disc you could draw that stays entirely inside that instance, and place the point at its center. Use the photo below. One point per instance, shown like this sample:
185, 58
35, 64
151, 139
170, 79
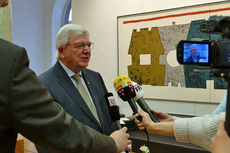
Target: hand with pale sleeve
146, 122
162, 116
122, 139
160, 128
220, 143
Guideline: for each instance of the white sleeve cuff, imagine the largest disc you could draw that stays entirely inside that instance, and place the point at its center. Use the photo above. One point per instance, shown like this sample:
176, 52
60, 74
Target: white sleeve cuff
181, 130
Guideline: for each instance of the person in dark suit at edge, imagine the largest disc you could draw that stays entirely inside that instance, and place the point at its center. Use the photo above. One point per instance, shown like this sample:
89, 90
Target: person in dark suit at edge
73, 48
26, 107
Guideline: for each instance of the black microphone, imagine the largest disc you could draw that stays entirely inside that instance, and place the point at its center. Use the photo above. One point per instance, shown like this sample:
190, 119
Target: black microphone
141, 102
113, 110
126, 92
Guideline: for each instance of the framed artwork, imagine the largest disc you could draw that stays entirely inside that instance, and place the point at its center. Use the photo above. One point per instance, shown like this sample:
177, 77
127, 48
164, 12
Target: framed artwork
147, 53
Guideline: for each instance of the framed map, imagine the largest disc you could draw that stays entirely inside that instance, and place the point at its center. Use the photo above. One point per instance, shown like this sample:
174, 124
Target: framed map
147, 53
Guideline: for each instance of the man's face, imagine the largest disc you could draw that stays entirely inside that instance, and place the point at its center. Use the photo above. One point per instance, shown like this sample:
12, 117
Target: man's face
76, 54
194, 51
3, 3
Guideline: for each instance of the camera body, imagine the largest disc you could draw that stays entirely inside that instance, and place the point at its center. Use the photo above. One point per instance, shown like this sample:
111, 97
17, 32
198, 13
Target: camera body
215, 54
211, 53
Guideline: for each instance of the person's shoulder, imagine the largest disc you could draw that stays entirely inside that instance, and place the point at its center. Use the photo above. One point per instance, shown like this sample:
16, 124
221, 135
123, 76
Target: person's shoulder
189, 59
5, 42
47, 74
56, 67
89, 71
10, 51
8, 45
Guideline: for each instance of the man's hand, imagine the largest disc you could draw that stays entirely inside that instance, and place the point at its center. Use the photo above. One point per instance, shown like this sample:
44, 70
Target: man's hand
122, 139
163, 117
220, 143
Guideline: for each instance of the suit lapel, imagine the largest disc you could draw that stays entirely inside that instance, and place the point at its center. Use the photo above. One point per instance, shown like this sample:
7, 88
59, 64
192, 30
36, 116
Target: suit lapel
91, 89
67, 84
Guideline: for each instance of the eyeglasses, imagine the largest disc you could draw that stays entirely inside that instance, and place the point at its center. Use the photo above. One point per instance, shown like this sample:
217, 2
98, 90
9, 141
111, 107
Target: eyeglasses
82, 46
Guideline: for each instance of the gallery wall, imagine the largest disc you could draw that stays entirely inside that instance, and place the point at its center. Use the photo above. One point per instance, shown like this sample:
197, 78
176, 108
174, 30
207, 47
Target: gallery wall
100, 17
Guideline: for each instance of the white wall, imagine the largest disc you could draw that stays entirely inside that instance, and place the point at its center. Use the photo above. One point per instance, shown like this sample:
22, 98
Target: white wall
34, 26
57, 22
31, 29
100, 17
28, 36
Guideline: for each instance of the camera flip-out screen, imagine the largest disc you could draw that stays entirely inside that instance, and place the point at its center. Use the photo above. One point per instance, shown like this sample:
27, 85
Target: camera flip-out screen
196, 52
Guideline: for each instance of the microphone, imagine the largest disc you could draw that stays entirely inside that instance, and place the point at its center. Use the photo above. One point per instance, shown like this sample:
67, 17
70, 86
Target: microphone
126, 92
113, 109
141, 102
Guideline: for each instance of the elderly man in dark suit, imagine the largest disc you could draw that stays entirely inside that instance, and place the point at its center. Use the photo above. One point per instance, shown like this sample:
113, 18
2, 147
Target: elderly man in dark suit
26, 107
73, 53
194, 56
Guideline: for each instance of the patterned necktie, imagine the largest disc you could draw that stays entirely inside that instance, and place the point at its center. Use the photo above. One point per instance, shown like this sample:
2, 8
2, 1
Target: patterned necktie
85, 96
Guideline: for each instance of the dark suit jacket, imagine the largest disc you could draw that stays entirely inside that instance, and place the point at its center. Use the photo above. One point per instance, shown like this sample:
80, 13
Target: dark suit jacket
27, 108
66, 94
190, 59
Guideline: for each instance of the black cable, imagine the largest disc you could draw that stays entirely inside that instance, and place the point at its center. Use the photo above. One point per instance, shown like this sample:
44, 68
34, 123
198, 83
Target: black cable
147, 136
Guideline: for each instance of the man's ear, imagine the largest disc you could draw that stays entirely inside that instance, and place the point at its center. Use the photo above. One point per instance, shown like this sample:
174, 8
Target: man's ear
60, 50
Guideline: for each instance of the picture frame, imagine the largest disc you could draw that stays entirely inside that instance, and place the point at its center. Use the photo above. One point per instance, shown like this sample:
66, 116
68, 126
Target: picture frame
152, 64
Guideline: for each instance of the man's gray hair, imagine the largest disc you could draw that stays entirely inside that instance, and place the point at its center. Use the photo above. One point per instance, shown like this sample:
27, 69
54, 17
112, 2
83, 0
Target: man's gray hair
64, 32
193, 46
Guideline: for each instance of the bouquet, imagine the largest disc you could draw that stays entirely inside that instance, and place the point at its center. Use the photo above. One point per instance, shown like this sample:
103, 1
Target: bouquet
144, 149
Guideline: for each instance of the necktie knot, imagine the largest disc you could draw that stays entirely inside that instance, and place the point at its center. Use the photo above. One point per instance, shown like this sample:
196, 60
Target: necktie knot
77, 78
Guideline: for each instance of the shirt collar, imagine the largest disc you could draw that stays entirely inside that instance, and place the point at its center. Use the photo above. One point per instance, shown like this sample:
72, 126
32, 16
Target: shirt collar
69, 72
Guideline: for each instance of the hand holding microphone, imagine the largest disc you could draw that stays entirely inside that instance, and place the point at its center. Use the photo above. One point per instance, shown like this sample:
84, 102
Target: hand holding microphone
141, 102
114, 110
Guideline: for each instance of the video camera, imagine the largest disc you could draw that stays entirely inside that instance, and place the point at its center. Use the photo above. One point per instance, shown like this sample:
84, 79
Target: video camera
213, 54
210, 53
